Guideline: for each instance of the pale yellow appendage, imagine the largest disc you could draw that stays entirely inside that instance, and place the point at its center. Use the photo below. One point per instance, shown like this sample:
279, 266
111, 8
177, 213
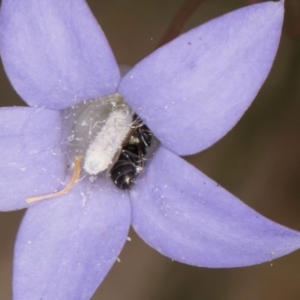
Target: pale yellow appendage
68, 187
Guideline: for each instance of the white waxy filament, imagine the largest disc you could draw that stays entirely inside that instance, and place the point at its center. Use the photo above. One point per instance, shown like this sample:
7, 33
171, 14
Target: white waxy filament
108, 141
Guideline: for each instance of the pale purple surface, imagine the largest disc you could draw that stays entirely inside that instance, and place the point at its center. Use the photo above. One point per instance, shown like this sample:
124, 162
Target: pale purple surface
32, 161
55, 53
176, 209
70, 243
200, 84
192, 219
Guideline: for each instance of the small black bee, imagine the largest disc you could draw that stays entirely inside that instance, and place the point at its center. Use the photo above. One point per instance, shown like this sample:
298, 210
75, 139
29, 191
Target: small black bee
131, 160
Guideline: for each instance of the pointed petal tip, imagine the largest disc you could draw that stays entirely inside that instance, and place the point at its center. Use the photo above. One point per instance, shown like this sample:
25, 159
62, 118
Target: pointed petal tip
191, 219
193, 90
276, 6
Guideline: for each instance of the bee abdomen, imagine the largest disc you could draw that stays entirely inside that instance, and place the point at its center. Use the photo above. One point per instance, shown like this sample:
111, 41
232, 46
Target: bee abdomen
124, 172
131, 160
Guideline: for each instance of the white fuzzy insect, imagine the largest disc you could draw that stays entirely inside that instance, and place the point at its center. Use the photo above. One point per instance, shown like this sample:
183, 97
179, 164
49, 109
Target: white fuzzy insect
108, 141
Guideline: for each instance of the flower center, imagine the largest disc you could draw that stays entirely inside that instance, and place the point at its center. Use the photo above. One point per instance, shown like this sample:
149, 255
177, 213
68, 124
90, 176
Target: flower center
106, 135
92, 120
110, 137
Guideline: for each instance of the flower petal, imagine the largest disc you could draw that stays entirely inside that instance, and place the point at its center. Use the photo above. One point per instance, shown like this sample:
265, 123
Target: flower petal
66, 246
192, 91
55, 53
31, 161
188, 217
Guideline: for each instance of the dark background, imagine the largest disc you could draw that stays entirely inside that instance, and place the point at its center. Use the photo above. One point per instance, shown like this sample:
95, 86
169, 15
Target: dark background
258, 161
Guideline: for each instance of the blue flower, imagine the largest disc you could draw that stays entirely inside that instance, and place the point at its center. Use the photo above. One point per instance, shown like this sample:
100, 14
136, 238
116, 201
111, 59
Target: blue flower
190, 92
